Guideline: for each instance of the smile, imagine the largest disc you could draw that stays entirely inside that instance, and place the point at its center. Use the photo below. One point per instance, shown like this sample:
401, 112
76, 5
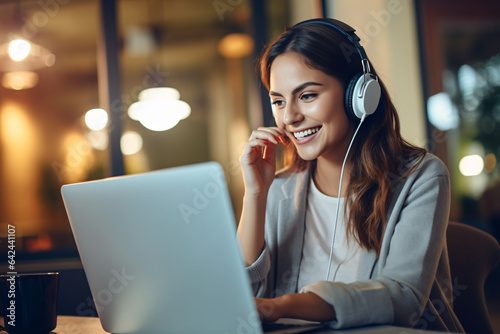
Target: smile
306, 133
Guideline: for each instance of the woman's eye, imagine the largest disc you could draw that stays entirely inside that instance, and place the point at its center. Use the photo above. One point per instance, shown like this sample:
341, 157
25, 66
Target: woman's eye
308, 96
278, 103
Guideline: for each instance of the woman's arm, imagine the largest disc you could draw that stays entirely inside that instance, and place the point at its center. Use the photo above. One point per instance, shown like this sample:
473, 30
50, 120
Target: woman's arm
259, 165
307, 306
251, 227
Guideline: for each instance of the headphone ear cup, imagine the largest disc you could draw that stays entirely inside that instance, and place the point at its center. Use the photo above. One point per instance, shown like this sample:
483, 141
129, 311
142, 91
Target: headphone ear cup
368, 88
348, 98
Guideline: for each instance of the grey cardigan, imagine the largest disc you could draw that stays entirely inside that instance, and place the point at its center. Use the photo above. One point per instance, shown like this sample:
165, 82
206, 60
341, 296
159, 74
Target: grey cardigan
408, 285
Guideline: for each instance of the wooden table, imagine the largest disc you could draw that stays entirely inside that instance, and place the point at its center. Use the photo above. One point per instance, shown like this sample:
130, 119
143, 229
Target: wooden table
88, 325
78, 325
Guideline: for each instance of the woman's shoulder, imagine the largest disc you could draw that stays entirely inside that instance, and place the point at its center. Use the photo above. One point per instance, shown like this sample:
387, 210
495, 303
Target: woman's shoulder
419, 167
431, 165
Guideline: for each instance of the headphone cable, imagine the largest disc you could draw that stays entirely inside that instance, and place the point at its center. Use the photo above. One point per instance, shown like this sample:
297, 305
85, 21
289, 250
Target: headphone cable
338, 202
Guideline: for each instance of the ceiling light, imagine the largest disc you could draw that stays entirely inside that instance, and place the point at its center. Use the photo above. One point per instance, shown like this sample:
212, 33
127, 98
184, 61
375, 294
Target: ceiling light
22, 55
19, 59
159, 108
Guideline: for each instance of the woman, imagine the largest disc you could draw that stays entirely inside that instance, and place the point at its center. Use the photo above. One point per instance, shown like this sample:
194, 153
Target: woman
369, 249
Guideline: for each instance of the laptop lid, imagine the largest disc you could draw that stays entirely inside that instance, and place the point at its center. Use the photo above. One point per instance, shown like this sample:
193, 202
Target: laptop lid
160, 252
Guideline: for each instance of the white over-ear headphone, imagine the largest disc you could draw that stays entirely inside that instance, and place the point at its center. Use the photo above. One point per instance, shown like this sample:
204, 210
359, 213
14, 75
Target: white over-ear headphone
362, 94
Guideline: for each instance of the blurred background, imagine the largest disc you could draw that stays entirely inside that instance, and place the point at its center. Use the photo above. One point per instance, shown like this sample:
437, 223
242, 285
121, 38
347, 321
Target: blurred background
76, 74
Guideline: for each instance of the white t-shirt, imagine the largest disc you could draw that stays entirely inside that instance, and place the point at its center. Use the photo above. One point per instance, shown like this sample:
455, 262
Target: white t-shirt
320, 225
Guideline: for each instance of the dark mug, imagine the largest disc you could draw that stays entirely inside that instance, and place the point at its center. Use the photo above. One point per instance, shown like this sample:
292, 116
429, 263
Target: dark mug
29, 302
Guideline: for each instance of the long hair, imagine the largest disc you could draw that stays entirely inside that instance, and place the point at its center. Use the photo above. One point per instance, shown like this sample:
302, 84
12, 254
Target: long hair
379, 155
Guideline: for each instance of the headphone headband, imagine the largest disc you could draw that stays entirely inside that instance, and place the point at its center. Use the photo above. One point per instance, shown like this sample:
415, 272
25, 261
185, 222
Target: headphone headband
345, 29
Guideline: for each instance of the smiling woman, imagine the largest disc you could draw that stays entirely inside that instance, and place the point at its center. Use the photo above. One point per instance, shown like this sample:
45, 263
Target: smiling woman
377, 230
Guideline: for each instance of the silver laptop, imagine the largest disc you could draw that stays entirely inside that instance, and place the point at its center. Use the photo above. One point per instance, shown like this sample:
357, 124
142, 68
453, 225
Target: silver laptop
160, 252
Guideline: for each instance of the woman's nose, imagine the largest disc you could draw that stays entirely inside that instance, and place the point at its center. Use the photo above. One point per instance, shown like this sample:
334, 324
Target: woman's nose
291, 115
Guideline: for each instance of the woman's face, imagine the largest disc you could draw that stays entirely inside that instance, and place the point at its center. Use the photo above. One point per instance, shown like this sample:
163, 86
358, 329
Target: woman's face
309, 107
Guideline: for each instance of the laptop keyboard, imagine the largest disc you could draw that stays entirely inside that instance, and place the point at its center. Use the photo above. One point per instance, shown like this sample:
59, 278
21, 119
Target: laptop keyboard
273, 326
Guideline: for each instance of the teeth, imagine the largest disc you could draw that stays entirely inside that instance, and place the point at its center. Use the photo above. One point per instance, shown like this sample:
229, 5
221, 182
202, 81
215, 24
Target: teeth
302, 134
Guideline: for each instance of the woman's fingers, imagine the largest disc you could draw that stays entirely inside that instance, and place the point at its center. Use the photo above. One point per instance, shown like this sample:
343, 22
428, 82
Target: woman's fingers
269, 152
262, 144
272, 135
253, 151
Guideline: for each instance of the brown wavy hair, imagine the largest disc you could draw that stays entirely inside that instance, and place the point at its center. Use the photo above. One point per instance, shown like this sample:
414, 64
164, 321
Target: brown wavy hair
379, 155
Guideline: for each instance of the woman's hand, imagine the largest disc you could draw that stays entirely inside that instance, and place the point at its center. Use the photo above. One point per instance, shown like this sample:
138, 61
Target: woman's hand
270, 309
259, 165
306, 306
258, 159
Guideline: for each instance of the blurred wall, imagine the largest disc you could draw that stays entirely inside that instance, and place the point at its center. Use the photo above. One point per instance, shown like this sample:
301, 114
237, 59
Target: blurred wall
302, 10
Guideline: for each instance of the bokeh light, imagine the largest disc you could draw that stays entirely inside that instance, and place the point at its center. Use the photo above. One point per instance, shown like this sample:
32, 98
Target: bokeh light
96, 119
131, 143
19, 49
471, 165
